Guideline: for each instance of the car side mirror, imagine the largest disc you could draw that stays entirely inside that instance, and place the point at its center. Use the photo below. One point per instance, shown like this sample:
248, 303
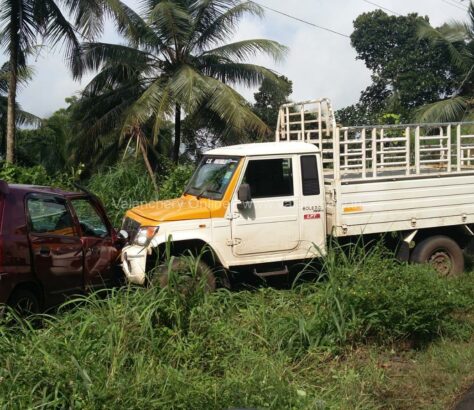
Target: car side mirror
244, 194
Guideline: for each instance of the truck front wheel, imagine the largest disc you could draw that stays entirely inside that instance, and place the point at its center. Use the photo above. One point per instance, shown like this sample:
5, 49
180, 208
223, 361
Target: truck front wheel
442, 253
187, 274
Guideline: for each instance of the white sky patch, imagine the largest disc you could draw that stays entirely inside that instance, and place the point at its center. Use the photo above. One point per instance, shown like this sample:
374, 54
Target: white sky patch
319, 63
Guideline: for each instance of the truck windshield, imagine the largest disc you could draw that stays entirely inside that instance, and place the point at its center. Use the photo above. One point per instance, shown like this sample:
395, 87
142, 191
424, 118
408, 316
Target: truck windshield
212, 177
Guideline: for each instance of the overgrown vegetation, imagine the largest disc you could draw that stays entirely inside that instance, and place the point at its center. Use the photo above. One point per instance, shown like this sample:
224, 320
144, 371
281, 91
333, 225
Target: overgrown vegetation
127, 185
318, 345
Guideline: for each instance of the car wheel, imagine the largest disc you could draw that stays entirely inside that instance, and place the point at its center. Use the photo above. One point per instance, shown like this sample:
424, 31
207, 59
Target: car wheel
442, 253
25, 302
185, 278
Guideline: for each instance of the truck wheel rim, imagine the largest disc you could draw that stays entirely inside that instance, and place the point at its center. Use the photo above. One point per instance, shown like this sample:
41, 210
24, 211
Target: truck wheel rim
441, 261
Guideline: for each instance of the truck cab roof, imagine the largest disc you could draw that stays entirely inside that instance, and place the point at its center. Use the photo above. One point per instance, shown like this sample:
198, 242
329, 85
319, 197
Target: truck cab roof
265, 148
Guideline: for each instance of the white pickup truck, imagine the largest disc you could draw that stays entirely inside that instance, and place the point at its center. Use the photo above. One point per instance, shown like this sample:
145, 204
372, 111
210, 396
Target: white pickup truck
265, 207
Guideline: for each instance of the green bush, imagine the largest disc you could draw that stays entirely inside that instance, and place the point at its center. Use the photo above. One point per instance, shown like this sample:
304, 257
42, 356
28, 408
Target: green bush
368, 295
122, 187
127, 185
174, 184
16, 174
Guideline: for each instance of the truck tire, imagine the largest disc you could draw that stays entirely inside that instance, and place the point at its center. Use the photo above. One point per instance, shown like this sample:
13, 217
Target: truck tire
25, 302
441, 252
180, 266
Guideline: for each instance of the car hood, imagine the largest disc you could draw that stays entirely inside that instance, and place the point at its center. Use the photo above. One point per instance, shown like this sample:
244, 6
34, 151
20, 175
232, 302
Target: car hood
184, 208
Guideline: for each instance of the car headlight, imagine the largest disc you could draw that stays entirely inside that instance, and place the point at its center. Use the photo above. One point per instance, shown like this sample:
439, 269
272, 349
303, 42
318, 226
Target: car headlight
145, 235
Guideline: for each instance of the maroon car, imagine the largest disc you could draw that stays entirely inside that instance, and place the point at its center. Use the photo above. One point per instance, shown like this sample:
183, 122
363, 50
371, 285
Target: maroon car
53, 244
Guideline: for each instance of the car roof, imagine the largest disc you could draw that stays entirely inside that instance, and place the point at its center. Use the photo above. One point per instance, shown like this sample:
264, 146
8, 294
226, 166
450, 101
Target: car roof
265, 148
24, 188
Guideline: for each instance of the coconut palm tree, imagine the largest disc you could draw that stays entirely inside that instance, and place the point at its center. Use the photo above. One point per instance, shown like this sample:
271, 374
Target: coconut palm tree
457, 41
23, 22
176, 61
22, 117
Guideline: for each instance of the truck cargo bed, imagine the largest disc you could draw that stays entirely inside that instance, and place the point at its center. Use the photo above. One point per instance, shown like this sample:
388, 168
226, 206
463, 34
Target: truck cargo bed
387, 205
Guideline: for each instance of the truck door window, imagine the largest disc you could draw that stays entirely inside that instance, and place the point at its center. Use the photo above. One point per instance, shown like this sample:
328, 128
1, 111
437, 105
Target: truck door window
49, 215
270, 178
89, 219
309, 174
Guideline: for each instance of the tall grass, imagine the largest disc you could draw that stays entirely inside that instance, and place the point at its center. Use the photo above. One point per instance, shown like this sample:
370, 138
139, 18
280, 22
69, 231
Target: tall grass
152, 348
127, 185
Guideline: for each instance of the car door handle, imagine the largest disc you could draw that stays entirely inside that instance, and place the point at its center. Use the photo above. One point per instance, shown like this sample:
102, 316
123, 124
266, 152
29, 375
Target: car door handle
45, 251
288, 204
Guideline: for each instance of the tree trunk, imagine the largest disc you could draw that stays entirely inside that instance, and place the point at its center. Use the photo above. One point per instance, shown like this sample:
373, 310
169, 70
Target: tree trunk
11, 109
141, 143
177, 133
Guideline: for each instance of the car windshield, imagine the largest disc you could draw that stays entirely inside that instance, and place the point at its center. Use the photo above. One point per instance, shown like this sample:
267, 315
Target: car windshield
212, 177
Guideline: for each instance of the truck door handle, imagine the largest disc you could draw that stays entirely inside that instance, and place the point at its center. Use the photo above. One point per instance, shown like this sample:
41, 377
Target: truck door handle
45, 251
288, 204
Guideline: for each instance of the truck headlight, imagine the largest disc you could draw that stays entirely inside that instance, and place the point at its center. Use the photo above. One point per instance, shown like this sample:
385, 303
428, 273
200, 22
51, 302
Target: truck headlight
145, 235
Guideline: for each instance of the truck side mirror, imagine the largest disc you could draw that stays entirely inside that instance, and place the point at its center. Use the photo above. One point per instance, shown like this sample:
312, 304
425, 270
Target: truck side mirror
245, 194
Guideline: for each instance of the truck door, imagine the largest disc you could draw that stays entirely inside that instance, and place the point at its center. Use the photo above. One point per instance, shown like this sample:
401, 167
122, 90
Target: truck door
312, 205
270, 222
55, 246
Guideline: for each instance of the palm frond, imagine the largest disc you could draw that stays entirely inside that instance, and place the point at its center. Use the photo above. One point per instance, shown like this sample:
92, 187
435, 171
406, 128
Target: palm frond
216, 21
19, 28
26, 118
188, 88
171, 21
87, 16
246, 49
452, 41
449, 110
249, 75
147, 105
232, 108
59, 30
94, 56
131, 25
161, 112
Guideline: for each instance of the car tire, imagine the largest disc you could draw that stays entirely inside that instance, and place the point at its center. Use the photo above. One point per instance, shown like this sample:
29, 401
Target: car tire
24, 302
180, 266
441, 252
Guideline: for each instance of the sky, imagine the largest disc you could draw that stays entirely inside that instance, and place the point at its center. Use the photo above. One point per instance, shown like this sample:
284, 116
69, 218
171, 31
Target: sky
320, 63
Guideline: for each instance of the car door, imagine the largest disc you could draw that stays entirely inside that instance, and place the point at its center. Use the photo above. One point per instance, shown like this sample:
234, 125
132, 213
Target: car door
270, 222
100, 251
55, 246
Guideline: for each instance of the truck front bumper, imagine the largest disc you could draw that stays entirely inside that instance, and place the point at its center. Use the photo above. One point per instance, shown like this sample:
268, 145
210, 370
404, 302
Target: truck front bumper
134, 263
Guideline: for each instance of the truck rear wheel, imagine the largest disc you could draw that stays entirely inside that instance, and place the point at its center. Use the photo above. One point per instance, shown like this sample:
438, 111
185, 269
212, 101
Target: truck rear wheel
442, 253
180, 266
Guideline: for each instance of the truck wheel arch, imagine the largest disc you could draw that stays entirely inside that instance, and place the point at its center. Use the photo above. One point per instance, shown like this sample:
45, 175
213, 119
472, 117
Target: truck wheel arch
196, 246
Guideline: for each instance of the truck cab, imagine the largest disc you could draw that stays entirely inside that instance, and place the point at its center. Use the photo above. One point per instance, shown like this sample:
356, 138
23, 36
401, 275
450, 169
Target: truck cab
251, 205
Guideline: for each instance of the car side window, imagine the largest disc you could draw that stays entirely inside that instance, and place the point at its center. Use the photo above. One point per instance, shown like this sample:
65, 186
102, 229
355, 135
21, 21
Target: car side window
49, 215
90, 221
269, 178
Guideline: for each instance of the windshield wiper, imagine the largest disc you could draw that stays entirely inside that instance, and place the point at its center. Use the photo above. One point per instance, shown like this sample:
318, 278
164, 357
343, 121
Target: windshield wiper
204, 190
